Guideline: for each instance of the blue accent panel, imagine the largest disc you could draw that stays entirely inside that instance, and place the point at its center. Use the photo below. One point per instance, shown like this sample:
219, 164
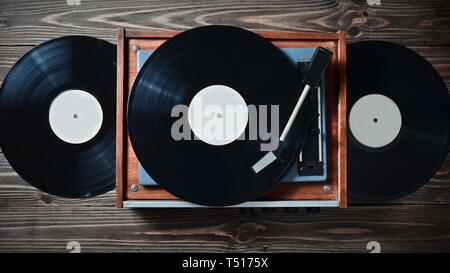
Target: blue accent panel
142, 56
294, 54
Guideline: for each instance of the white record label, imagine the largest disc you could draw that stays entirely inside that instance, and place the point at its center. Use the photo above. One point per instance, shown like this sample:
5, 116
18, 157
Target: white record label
75, 116
375, 120
218, 115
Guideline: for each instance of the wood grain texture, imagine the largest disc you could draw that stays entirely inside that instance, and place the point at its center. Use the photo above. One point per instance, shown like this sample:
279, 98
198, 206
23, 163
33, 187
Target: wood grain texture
398, 229
34, 221
408, 22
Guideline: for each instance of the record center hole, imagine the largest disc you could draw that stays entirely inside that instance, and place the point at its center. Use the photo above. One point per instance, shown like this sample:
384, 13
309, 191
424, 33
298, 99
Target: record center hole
375, 120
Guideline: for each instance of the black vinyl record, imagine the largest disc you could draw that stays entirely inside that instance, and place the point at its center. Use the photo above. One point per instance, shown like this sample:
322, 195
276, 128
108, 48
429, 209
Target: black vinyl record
185, 64
27, 139
398, 117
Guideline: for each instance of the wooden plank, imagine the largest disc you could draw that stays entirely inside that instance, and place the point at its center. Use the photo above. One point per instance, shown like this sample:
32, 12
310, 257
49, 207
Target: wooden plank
120, 116
397, 229
408, 22
288, 35
342, 121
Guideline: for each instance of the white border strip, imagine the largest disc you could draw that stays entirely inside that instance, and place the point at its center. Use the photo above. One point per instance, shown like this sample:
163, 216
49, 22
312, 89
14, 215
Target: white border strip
251, 204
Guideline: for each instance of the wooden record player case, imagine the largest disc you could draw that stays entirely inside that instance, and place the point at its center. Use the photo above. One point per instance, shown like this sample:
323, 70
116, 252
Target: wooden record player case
332, 192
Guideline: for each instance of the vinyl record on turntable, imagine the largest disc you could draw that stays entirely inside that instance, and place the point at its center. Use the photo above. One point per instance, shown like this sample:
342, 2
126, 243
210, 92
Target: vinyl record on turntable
398, 120
57, 111
220, 66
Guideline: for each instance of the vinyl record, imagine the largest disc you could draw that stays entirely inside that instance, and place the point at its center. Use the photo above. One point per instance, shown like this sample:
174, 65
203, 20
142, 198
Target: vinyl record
218, 63
57, 111
398, 120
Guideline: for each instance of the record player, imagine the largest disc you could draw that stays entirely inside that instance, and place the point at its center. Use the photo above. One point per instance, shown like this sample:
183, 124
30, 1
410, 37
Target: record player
317, 178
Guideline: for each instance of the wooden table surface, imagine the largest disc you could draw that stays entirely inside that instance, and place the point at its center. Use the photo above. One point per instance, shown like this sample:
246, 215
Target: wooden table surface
31, 220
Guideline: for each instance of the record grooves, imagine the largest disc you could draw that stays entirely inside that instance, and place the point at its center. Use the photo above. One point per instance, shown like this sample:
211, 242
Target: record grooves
84, 69
398, 113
